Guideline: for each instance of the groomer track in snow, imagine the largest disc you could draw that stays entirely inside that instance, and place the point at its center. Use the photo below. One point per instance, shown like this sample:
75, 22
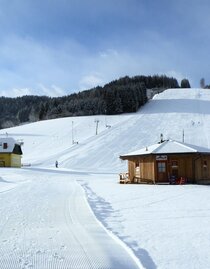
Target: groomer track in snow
46, 223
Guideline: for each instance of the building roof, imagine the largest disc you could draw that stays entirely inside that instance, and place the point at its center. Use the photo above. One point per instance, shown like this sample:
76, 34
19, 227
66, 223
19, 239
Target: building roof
12, 146
167, 147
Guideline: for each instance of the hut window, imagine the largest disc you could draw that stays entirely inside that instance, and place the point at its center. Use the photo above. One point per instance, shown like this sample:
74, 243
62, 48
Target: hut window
136, 164
205, 164
161, 167
5, 145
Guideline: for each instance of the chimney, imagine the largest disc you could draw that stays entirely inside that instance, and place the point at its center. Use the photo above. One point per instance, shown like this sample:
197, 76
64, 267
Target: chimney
161, 138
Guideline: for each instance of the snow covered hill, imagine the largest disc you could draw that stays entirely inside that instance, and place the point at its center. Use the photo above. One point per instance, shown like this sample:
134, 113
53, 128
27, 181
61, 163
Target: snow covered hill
165, 226
168, 113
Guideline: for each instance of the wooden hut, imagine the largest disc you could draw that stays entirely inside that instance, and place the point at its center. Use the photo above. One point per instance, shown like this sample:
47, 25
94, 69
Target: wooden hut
169, 162
10, 152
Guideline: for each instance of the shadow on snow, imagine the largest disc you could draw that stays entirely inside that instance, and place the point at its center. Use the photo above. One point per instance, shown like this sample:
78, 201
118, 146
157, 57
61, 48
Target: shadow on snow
103, 210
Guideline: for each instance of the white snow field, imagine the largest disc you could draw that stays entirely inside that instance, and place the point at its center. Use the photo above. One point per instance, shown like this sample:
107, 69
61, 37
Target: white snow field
45, 220
47, 223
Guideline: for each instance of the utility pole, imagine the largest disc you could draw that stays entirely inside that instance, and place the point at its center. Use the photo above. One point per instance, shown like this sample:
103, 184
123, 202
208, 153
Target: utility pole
97, 122
105, 118
183, 136
72, 132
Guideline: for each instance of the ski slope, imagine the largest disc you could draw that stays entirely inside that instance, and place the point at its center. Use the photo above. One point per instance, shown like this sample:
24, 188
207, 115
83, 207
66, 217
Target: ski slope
165, 226
46, 223
168, 113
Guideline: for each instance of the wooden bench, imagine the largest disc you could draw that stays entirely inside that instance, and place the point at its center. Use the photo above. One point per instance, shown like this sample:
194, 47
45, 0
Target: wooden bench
124, 178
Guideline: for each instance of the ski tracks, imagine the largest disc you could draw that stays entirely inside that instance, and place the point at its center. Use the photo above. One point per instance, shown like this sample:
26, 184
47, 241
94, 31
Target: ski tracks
47, 224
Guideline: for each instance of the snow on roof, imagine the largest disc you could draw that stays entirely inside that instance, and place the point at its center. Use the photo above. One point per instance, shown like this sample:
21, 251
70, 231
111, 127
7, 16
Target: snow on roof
168, 147
10, 144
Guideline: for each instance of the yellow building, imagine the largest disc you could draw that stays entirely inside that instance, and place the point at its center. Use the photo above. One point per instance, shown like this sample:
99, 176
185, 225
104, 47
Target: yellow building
10, 152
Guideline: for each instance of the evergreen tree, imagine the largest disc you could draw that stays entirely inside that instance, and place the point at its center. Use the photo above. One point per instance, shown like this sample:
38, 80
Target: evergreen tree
202, 83
185, 83
119, 96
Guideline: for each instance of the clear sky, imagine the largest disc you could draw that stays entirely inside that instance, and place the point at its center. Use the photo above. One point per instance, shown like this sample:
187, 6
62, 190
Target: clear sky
56, 47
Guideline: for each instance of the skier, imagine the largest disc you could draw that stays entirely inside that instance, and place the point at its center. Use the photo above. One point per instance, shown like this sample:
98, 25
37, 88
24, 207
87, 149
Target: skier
56, 164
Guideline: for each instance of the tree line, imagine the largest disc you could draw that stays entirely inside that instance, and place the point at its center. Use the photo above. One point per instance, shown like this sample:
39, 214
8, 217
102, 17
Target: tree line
119, 96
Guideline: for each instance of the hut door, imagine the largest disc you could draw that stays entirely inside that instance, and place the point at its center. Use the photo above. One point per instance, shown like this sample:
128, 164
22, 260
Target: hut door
162, 171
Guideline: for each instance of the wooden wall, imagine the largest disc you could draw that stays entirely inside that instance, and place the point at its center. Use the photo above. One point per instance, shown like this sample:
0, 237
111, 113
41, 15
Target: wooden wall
202, 170
145, 171
147, 168
194, 167
131, 169
15, 160
185, 165
10, 160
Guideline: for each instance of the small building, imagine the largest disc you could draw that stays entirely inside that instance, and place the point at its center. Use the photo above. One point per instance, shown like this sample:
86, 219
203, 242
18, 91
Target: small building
167, 160
10, 152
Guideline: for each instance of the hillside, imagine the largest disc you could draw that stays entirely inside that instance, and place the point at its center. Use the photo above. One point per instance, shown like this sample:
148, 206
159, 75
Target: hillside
166, 226
123, 95
168, 113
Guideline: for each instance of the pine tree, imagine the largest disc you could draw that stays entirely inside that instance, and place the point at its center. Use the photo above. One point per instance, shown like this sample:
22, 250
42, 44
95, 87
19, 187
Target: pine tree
185, 83
202, 83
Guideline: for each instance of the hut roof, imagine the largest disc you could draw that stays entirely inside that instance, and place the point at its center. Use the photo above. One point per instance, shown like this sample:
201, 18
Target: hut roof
168, 147
12, 146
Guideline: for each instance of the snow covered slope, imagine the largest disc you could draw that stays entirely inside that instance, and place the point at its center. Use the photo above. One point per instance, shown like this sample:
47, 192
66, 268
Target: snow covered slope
165, 226
168, 113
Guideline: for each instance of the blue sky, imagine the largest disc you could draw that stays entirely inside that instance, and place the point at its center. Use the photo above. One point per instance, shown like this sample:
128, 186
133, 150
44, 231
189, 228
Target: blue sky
56, 47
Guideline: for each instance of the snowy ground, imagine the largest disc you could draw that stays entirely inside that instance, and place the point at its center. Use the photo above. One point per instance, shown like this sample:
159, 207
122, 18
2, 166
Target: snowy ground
46, 223
165, 226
